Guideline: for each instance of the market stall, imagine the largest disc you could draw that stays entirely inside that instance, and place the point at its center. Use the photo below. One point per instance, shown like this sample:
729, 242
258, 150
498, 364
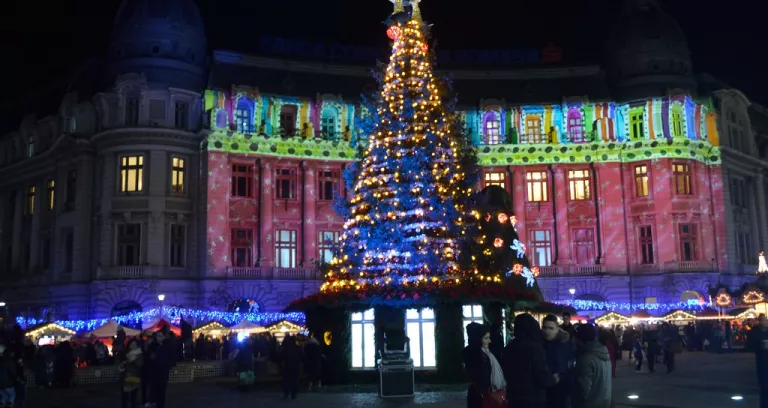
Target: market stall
612, 319
280, 329
160, 324
110, 329
48, 333
213, 329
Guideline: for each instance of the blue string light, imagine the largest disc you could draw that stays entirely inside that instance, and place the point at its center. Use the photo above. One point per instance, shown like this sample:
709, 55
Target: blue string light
225, 318
627, 307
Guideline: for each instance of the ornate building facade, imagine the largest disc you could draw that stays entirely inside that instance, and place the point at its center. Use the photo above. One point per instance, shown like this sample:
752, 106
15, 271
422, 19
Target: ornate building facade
634, 181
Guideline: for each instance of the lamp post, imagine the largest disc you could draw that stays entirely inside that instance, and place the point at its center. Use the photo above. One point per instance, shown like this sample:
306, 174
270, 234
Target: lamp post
161, 298
572, 291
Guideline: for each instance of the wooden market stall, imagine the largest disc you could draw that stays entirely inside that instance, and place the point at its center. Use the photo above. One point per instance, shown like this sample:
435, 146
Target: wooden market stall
213, 329
110, 329
48, 333
161, 323
248, 327
280, 329
612, 318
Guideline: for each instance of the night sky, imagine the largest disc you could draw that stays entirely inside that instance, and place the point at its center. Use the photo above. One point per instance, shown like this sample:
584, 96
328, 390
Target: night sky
43, 41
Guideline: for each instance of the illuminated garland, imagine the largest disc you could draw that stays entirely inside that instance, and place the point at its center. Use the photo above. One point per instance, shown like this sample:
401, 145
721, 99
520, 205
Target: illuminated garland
613, 306
227, 318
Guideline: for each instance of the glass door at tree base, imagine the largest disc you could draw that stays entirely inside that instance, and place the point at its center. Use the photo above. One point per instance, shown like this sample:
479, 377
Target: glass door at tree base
363, 340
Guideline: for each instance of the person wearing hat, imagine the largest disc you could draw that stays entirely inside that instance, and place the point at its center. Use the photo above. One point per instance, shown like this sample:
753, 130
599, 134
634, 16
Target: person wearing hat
7, 378
592, 387
484, 371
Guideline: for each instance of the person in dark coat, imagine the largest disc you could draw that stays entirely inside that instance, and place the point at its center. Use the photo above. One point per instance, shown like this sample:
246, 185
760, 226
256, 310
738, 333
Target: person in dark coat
7, 377
160, 363
525, 366
291, 359
483, 369
758, 342
313, 360
560, 358
592, 379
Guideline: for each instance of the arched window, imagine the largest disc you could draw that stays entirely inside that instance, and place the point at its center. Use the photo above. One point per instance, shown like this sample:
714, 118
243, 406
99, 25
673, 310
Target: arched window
676, 120
690, 296
575, 126
492, 128
244, 116
221, 118
128, 308
329, 123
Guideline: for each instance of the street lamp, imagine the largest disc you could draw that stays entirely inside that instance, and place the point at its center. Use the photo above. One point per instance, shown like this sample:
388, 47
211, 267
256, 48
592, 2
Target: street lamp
161, 297
572, 291
2, 304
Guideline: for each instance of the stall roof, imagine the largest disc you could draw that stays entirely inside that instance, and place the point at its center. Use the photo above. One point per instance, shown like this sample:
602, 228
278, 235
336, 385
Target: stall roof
48, 328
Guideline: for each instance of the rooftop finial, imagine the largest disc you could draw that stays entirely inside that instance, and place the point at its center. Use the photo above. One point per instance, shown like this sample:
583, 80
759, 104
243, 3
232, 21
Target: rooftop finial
398, 6
416, 11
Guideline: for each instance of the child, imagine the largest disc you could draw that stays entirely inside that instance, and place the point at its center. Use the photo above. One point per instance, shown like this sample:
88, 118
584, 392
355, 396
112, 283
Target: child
637, 353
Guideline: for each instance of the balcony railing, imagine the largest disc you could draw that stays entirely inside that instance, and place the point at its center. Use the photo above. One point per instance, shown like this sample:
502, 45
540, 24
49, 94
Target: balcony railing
237, 272
690, 266
141, 272
571, 270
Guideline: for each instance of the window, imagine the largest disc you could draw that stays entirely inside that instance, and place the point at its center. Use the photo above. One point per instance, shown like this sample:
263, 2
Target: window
241, 180
363, 340
285, 248
471, 314
688, 242
682, 179
646, 245
31, 146
636, 129
50, 186
495, 179
584, 246
132, 111
325, 242
533, 129
328, 184
676, 120
738, 192
575, 126
181, 118
328, 122
244, 116
242, 243
71, 187
69, 250
156, 110
578, 181
131, 174
129, 244
288, 120
177, 175
537, 186
31, 200
744, 246
286, 184
641, 181
541, 247
492, 128
420, 329
737, 131
178, 240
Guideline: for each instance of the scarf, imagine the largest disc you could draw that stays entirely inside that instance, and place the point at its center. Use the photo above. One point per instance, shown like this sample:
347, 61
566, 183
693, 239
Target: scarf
133, 354
497, 375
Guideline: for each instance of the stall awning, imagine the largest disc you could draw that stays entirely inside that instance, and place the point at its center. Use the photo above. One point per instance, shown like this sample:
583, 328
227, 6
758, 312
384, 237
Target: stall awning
110, 328
49, 329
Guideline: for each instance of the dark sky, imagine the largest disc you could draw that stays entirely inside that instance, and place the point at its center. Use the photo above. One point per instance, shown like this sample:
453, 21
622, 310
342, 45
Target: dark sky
42, 41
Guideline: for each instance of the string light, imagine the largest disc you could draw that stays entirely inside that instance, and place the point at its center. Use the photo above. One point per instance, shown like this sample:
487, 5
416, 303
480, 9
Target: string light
50, 327
613, 306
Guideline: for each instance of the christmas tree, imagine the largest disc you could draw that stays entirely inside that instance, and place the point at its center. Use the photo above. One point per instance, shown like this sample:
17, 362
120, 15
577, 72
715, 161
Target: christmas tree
413, 185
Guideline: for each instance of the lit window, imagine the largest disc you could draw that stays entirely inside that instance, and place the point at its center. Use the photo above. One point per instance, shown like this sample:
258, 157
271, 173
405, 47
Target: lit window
471, 314
177, 175
51, 186
328, 184
363, 340
326, 241
181, 119
129, 244
541, 247
131, 173
584, 246
241, 180
533, 132
328, 123
646, 245
492, 129
495, 179
31, 200
537, 186
578, 181
285, 248
285, 184
420, 329
244, 116
242, 244
575, 126
641, 181
636, 128
688, 242
676, 120
178, 240
682, 179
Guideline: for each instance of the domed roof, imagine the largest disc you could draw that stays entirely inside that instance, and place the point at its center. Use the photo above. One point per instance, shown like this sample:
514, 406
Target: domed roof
164, 39
647, 52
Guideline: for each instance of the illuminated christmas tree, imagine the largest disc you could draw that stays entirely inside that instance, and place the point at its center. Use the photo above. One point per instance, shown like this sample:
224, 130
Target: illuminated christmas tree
413, 185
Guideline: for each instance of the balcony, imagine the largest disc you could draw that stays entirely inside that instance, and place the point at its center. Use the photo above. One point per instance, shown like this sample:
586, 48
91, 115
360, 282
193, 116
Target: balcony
236, 272
690, 266
141, 272
571, 270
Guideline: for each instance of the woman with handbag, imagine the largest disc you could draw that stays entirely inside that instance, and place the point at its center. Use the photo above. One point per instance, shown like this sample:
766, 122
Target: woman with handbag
486, 378
525, 366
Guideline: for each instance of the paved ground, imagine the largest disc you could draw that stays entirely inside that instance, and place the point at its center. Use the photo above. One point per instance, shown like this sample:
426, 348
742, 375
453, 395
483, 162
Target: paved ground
701, 381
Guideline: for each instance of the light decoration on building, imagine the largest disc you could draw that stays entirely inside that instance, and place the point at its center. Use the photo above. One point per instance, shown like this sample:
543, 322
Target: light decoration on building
226, 318
723, 299
753, 296
631, 307
503, 218
762, 267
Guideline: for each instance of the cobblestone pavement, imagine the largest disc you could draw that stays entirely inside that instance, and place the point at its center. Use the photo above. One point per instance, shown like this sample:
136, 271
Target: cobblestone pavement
701, 381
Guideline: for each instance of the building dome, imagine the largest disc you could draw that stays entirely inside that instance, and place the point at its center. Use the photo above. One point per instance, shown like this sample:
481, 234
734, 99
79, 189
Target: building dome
647, 53
164, 39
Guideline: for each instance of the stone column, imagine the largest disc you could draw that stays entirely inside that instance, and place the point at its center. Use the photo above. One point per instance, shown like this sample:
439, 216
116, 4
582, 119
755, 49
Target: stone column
16, 244
109, 186
761, 214
724, 223
266, 204
518, 198
559, 198
34, 244
81, 252
309, 197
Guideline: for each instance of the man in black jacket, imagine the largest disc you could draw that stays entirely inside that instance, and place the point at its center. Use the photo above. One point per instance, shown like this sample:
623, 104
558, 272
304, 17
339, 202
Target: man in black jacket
160, 363
758, 341
560, 358
525, 366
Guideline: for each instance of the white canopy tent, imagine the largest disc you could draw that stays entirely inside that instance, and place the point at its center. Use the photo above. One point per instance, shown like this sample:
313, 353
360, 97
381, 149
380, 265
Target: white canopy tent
247, 326
109, 329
